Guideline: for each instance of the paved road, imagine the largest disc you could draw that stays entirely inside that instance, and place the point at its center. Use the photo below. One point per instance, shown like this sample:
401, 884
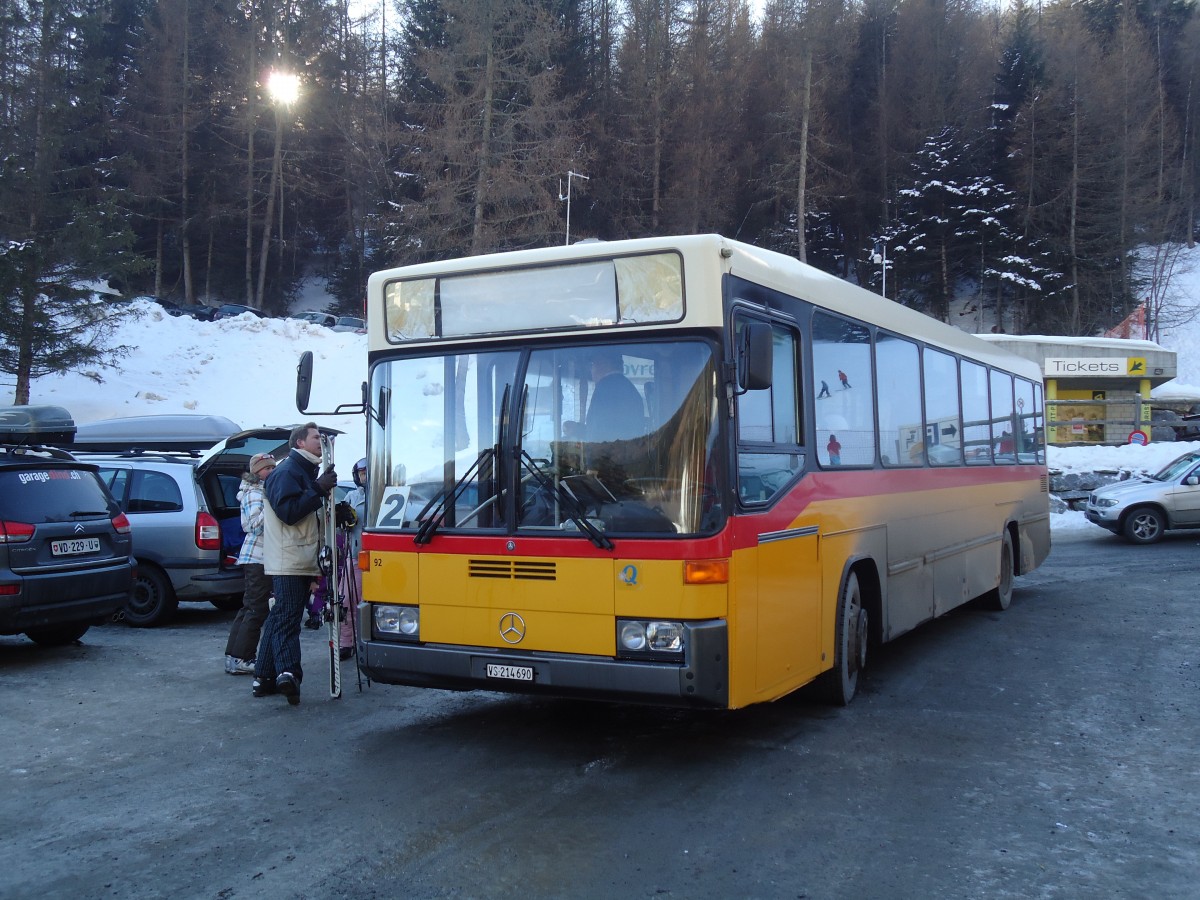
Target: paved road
1048, 751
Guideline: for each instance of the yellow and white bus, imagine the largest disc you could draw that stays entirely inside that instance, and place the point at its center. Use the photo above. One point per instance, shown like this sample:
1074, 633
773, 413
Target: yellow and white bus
678, 470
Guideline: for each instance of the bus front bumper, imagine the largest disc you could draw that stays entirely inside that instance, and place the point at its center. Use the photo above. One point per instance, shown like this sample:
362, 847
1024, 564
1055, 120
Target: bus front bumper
701, 681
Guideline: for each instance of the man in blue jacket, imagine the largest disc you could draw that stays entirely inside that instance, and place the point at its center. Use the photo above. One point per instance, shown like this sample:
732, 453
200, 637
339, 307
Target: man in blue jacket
291, 539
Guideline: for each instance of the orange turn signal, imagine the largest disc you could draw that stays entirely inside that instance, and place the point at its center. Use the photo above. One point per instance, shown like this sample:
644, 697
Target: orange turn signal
706, 571
364, 560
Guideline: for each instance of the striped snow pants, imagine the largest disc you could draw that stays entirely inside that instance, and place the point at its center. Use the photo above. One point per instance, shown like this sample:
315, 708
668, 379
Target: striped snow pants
279, 649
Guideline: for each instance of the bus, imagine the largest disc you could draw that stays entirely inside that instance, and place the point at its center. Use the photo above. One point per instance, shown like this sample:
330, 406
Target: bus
680, 470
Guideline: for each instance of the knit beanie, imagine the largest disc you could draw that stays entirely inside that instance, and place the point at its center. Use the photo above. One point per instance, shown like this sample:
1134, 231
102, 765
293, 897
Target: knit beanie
261, 461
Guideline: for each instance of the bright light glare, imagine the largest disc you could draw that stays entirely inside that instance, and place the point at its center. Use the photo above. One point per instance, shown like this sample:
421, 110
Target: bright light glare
284, 87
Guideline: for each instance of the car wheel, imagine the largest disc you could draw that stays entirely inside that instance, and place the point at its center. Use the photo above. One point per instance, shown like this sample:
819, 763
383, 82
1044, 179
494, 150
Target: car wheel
57, 635
153, 600
1144, 525
228, 603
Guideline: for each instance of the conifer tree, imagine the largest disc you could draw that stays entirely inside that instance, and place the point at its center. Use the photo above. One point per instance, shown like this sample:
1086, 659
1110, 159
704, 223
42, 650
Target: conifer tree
62, 224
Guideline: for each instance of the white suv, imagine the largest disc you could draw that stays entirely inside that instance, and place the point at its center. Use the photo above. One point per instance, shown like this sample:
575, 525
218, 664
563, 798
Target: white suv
1144, 507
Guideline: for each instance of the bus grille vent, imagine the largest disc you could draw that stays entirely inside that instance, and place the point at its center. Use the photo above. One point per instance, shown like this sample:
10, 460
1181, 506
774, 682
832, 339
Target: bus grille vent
520, 570
1045, 484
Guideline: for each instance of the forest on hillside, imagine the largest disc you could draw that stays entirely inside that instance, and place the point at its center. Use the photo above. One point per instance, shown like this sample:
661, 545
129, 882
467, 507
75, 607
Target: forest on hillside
228, 149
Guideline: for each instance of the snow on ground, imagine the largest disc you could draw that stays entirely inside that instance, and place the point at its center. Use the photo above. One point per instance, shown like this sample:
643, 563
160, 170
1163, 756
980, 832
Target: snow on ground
245, 369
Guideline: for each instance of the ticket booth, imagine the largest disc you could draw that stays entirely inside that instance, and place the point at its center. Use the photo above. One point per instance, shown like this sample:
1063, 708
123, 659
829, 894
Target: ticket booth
1097, 389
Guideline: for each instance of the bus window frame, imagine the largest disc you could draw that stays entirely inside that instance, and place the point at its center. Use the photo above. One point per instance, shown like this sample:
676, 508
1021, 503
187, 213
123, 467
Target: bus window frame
793, 456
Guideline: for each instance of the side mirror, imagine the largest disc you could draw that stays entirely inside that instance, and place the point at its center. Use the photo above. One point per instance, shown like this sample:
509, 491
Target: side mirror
755, 357
1191, 481
304, 380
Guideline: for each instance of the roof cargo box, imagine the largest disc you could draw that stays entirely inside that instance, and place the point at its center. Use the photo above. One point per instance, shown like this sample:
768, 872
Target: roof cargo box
26, 425
179, 433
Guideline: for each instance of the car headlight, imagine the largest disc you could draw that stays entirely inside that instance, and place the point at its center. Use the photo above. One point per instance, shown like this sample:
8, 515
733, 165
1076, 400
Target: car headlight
650, 639
1104, 502
402, 621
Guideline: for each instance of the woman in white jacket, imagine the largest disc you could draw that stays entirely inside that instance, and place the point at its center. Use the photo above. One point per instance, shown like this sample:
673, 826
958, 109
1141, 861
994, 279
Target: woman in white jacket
242, 646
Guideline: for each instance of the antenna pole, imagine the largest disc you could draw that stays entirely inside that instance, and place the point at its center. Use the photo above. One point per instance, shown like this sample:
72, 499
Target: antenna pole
570, 175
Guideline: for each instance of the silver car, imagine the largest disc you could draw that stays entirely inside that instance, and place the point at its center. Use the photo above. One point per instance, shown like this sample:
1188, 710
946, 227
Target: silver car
1144, 507
186, 519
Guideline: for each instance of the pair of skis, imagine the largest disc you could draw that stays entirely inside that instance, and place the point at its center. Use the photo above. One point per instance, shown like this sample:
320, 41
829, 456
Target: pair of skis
327, 560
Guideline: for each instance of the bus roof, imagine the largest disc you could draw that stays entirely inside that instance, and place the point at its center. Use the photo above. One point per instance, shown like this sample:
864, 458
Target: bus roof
706, 257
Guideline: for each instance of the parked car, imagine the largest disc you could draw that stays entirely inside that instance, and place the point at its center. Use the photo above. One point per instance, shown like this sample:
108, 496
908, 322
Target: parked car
317, 318
66, 549
169, 307
229, 310
350, 323
184, 508
199, 311
1145, 507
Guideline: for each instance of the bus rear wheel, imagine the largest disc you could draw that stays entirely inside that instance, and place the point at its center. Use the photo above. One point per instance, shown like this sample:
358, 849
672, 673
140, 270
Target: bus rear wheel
1000, 597
839, 685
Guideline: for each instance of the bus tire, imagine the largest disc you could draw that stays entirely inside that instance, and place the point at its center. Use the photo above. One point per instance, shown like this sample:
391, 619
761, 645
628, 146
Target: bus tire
839, 685
1000, 597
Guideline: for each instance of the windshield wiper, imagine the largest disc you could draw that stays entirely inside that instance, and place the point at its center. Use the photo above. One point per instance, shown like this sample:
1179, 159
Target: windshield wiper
449, 498
571, 504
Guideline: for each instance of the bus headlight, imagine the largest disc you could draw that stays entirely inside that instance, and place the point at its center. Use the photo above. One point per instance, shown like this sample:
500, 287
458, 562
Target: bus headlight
650, 639
402, 621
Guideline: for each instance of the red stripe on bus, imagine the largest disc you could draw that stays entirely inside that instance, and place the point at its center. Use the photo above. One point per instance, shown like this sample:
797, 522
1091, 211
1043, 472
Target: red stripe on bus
742, 529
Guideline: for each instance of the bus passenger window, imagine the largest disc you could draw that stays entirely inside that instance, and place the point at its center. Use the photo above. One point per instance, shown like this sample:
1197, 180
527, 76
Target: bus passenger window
977, 431
842, 359
1004, 432
901, 433
943, 417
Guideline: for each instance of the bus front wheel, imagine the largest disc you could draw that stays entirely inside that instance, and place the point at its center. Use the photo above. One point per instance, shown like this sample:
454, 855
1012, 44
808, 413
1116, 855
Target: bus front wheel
839, 685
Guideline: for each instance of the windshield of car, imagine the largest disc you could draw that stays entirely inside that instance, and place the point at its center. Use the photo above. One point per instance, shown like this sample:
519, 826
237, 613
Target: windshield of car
1178, 468
52, 494
624, 434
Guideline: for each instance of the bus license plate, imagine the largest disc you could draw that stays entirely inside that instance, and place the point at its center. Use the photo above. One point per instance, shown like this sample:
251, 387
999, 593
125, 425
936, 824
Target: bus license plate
512, 673
75, 546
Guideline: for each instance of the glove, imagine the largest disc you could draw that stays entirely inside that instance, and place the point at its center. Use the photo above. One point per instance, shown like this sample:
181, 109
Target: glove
345, 515
326, 480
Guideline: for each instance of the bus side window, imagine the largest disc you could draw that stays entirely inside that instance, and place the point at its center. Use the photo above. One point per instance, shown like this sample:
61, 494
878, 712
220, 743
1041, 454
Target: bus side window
769, 425
901, 433
841, 362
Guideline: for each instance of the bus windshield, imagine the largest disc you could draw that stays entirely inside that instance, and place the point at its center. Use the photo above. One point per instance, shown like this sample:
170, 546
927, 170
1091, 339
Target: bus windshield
616, 438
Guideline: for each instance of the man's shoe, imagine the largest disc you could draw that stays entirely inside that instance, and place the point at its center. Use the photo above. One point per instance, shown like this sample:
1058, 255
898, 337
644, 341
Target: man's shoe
242, 667
264, 687
313, 621
346, 653
287, 685
229, 660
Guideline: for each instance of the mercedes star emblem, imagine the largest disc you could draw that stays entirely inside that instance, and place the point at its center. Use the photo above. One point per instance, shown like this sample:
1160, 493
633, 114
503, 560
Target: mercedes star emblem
512, 628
